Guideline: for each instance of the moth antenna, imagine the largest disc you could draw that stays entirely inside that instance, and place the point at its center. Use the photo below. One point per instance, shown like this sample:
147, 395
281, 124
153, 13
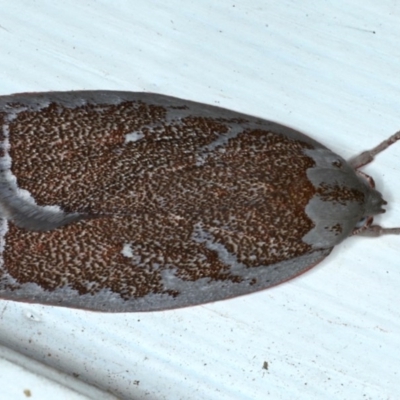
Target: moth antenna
367, 156
377, 230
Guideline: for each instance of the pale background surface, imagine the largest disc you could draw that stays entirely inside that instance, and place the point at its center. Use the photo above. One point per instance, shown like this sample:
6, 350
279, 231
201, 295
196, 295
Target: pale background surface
330, 69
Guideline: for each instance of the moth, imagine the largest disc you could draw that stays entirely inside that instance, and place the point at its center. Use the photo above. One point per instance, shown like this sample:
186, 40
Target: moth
120, 201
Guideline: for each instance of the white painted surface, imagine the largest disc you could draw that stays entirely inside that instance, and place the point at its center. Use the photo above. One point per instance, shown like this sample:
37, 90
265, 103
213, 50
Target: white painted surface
330, 69
23, 377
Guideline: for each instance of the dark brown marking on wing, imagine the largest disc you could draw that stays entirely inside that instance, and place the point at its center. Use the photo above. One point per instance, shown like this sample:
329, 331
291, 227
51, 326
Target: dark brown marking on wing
168, 196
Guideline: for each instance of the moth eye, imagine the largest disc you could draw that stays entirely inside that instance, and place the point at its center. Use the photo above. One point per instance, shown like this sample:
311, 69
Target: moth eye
362, 222
368, 178
371, 182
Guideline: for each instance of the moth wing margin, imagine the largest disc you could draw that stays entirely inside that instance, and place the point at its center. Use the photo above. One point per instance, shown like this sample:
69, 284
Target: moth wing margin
191, 293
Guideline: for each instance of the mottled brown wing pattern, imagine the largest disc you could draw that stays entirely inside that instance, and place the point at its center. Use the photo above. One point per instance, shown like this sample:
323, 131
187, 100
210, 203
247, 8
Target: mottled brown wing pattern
165, 197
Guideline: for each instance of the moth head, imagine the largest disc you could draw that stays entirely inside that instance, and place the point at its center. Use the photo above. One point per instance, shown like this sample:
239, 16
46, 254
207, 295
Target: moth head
374, 203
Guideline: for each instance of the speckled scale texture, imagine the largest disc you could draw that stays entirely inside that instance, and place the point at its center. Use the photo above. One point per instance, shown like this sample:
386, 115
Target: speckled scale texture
119, 201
